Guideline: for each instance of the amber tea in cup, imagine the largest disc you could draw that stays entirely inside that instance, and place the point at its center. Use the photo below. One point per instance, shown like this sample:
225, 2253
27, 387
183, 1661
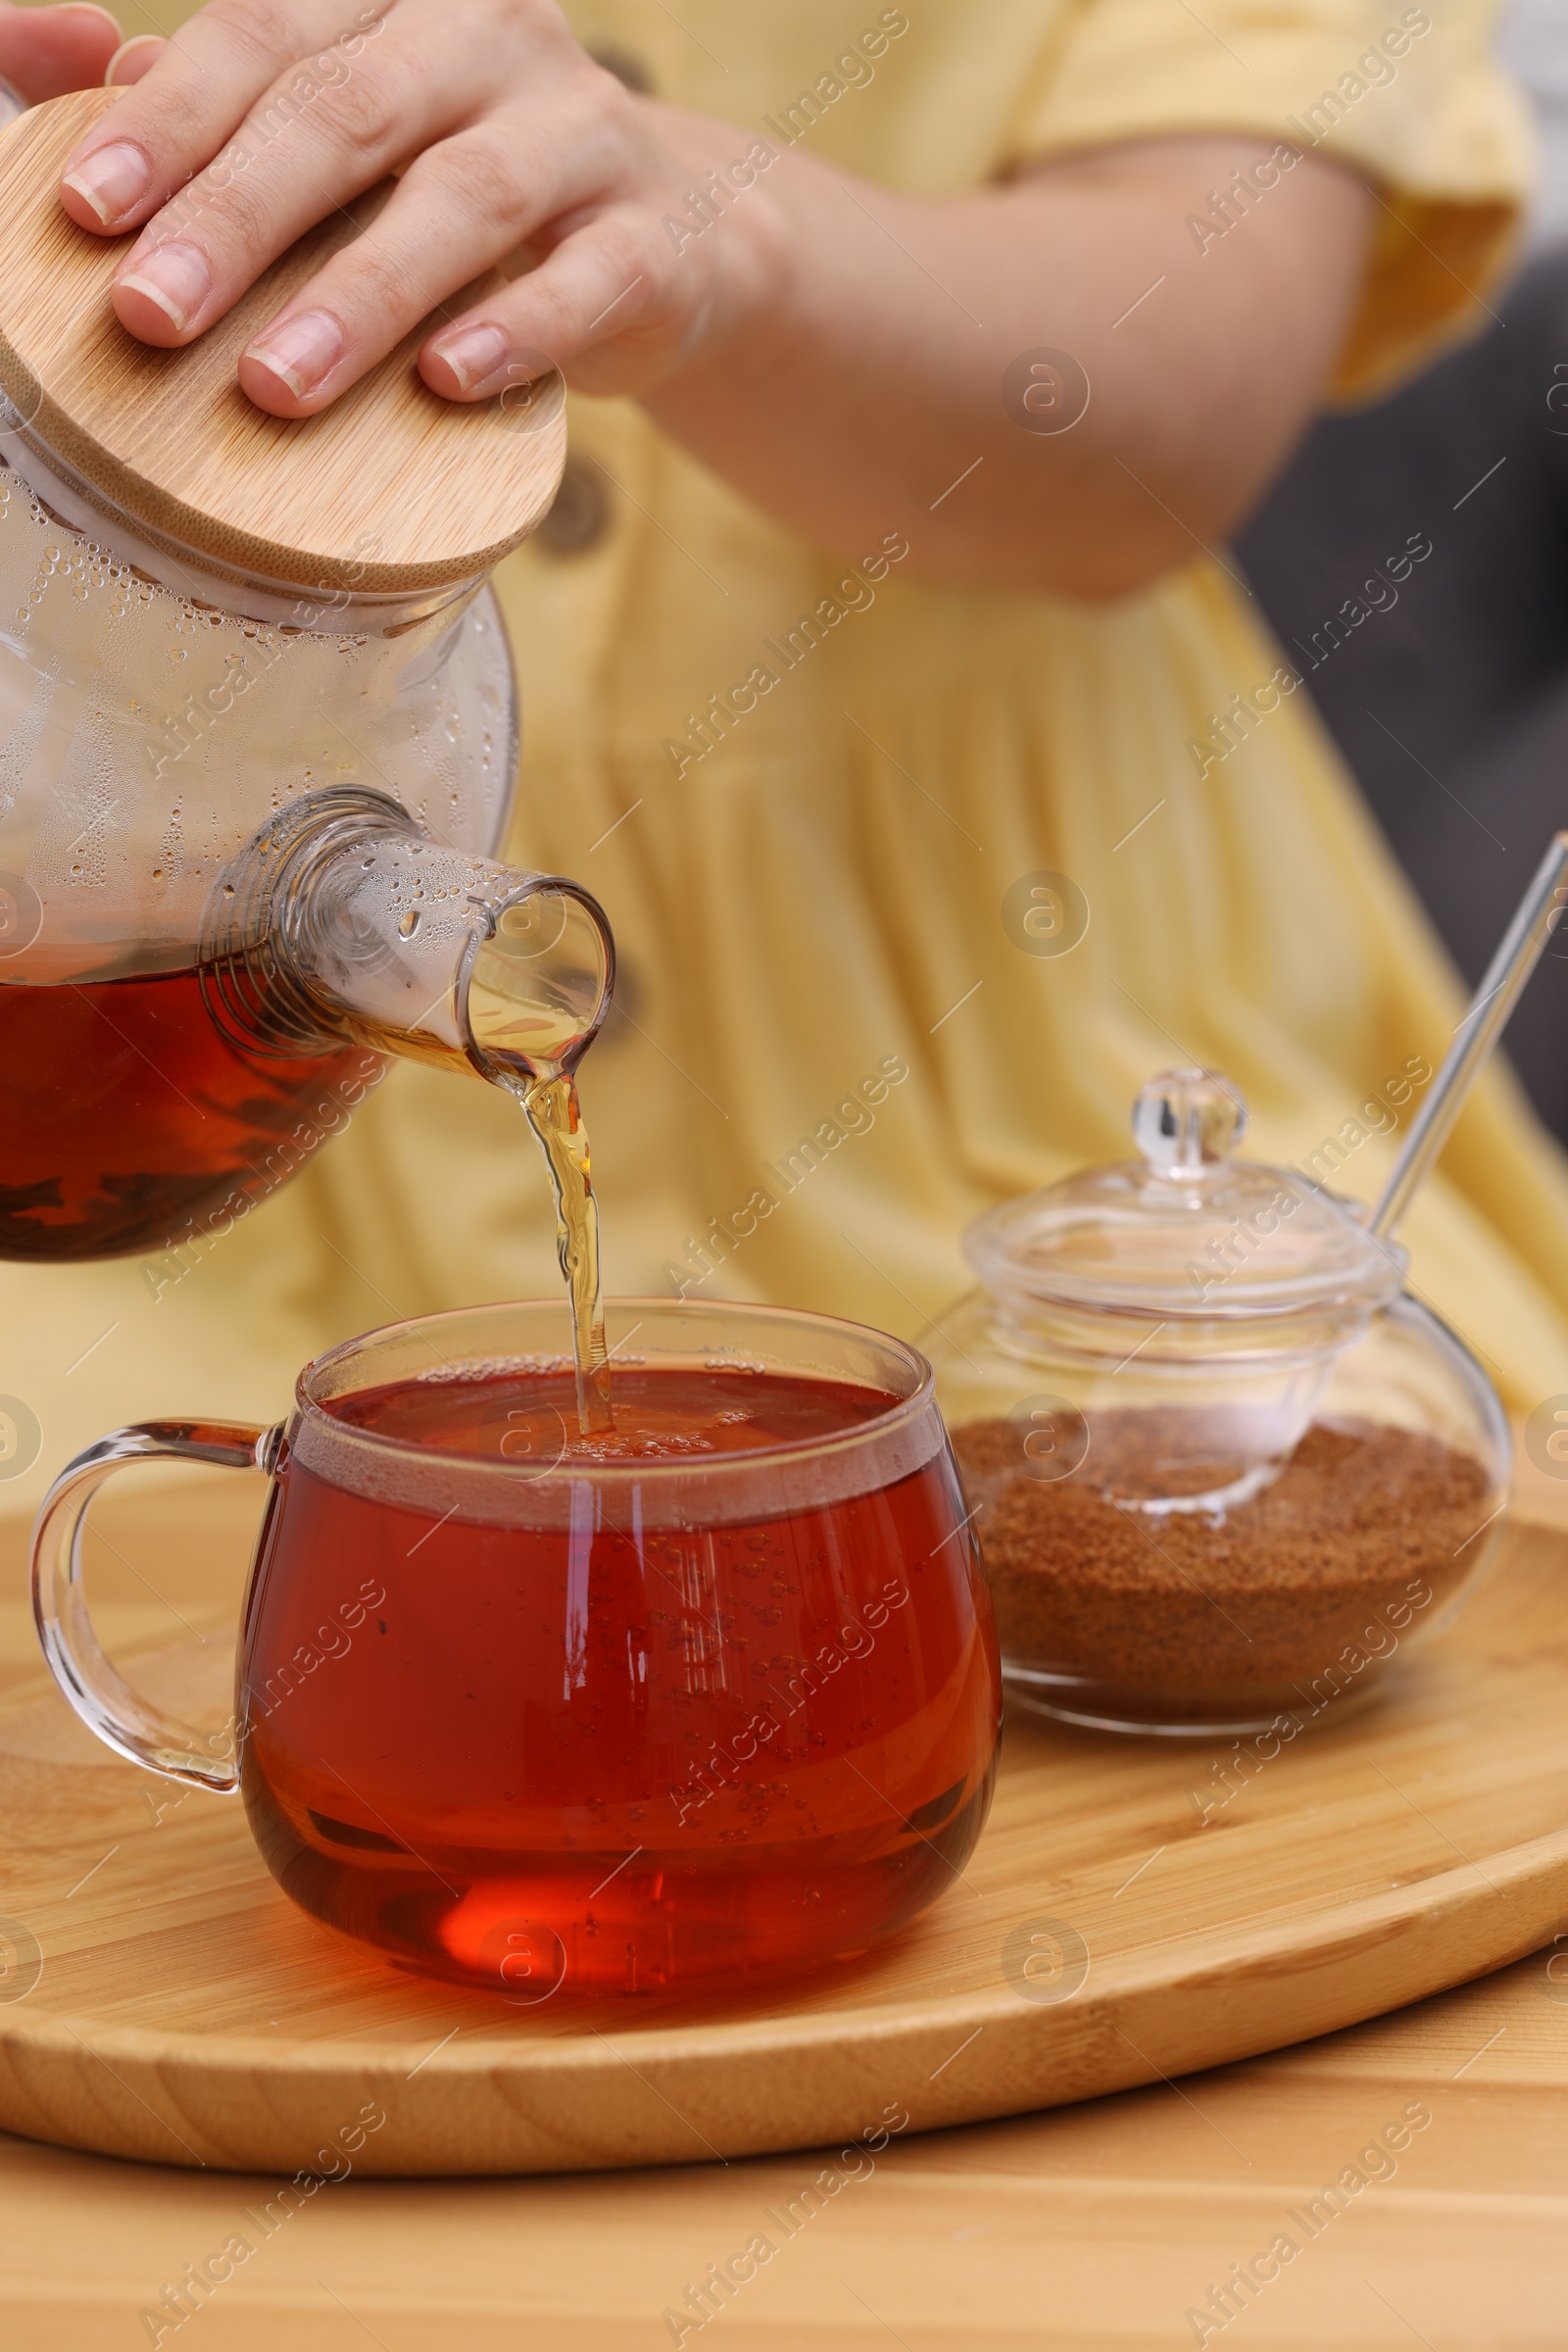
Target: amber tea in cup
709, 1697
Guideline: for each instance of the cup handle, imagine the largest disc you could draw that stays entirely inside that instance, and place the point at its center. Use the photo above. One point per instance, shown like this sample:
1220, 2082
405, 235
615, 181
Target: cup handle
105, 1702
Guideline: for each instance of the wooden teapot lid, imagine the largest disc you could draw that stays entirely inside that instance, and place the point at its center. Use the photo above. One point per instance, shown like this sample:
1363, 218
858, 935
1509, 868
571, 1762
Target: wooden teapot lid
390, 490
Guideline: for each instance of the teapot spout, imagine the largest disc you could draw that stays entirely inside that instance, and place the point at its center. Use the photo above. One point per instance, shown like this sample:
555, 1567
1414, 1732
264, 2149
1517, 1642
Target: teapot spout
343, 920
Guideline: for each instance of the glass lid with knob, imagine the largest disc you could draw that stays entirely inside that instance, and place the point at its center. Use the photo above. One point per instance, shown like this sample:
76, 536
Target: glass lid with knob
1188, 1229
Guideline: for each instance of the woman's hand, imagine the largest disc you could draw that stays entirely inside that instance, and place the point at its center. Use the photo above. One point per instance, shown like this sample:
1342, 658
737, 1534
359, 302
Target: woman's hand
508, 140
46, 51
842, 352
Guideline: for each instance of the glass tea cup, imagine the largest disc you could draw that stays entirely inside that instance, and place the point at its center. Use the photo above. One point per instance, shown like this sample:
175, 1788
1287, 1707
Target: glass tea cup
709, 1699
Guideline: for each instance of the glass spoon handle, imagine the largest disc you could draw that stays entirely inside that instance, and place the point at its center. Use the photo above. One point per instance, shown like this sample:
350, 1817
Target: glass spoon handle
1521, 943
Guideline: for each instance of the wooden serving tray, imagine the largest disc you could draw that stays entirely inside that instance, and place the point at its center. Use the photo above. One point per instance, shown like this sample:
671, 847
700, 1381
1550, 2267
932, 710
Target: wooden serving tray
160, 1997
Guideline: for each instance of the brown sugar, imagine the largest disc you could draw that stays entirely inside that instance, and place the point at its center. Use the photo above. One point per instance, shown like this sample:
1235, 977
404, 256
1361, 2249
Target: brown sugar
1279, 1604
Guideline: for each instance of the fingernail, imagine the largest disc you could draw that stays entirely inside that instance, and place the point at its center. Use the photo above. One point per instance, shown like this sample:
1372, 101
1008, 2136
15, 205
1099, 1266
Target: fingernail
474, 354
300, 351
111, 180
177, 277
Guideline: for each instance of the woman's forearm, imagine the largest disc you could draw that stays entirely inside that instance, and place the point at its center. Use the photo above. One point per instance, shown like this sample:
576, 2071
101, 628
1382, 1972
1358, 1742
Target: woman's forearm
850, 356
876, 370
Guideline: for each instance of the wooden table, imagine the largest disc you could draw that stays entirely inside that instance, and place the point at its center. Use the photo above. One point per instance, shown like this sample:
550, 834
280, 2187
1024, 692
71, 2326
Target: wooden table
1099, 2225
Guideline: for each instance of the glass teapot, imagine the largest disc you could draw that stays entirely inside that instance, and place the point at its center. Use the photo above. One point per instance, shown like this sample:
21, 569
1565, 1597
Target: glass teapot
1223, 1467
257, 733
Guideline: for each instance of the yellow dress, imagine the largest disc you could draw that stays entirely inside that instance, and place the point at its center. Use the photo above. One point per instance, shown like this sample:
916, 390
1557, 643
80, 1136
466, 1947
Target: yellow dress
833, 1000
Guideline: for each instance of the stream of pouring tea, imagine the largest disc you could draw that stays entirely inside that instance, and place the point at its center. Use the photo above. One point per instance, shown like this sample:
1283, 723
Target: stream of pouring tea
555, 1114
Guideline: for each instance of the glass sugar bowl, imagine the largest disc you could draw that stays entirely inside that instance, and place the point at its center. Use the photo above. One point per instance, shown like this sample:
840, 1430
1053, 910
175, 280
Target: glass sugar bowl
1225, 1470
